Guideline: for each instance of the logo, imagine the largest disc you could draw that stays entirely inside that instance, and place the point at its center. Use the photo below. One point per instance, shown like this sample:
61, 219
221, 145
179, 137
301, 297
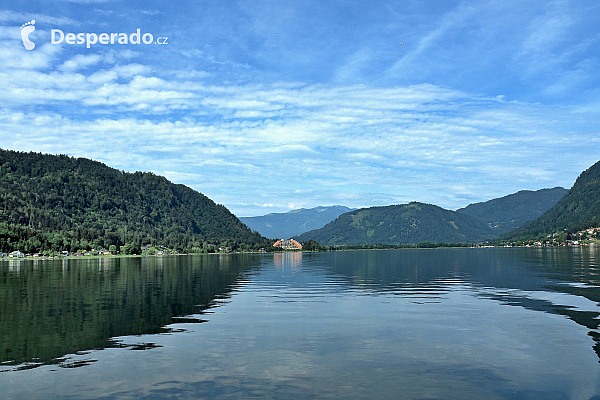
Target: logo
57, 36
26, 29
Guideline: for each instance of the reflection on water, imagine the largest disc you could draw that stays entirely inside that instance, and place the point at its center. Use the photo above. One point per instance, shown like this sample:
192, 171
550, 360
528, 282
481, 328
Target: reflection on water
289, 262
53, 308
557, 281
427, 323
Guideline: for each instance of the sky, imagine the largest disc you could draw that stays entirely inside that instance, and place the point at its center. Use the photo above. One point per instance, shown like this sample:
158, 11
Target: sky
269, 106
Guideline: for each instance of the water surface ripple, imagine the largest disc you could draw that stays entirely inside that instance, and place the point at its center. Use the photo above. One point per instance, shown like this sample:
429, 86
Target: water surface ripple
414, 324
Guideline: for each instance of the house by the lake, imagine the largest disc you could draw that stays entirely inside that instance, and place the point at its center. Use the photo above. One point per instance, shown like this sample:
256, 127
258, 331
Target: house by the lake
289, 244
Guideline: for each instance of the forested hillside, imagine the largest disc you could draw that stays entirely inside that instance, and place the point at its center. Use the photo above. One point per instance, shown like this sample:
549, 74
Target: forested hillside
401, 224
50, 202
507, 213
577, 210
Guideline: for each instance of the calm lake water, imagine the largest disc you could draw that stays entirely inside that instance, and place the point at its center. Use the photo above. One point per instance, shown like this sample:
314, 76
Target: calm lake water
415, 324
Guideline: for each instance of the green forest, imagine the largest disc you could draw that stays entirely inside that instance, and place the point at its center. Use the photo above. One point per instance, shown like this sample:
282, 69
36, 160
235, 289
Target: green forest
509, 212
579, 209
52, 203
411, 223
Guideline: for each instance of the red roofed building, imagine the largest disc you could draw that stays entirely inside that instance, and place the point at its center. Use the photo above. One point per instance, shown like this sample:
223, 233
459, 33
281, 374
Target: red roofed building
289, 244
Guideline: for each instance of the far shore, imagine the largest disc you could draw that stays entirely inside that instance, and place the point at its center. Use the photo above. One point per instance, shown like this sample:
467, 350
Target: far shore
118, 256
114, 256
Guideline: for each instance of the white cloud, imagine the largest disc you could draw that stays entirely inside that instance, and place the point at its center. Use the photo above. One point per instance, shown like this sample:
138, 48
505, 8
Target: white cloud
281, 143
188, 74
102, 77
15, 57
438, 154
548, 31
451, 20
129, 70
80, 61
89, 1
18, 18
153, 12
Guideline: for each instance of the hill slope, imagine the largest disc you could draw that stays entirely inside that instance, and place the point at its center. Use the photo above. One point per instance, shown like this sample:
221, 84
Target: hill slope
507, 213
578, 209
295, 222
404, 224
50, 202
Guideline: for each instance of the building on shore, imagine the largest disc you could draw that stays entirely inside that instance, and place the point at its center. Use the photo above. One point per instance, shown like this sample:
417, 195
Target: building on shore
289, 244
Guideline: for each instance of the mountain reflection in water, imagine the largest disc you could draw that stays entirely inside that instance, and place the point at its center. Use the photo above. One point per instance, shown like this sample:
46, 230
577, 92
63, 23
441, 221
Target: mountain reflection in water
412, 323
57, 307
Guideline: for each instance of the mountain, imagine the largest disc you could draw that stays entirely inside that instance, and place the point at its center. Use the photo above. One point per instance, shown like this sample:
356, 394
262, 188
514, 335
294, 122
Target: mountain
507, 213
401, 224
52, 203
577, 210
295, 222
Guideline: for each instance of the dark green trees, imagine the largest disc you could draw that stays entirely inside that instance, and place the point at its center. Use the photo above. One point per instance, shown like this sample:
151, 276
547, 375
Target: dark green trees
578, 209
53, 203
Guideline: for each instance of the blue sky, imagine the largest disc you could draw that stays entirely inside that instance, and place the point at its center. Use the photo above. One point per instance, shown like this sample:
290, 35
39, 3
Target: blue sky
266, 106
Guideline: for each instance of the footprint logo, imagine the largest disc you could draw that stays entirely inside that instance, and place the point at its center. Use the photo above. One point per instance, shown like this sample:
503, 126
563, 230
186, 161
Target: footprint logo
26, 29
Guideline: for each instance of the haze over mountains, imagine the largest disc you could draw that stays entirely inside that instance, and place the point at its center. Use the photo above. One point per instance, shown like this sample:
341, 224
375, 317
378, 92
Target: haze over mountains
579, 209
405, 224
51, 203
417, 222
533, 214
507, 213
502, 215
293, 223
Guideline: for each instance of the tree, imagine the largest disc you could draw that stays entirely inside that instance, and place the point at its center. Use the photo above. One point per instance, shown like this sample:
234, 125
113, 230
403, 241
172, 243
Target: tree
311, 245
67, 203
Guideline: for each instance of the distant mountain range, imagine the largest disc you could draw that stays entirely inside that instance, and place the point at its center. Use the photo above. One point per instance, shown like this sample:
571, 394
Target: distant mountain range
509, 212
52, 203
405, 224
579, 209
501, 215
417, 222
293, 223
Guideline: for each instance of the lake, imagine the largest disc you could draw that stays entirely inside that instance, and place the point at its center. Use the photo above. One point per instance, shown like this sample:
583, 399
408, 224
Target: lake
488, 323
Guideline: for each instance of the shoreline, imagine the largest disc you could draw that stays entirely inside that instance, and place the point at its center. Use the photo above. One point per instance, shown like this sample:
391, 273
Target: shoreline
96, 257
